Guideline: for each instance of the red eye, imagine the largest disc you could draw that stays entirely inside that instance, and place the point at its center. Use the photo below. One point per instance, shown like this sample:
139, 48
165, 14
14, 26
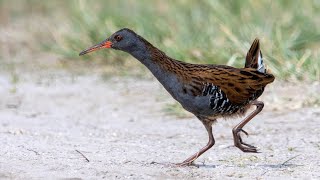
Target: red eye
118, 38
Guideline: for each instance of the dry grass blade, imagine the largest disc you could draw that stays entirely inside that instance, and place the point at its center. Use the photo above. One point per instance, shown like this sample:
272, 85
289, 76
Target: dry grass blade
285, 162
83, 155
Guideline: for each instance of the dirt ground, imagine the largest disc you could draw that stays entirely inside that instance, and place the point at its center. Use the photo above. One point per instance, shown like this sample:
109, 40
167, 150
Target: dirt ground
65, 126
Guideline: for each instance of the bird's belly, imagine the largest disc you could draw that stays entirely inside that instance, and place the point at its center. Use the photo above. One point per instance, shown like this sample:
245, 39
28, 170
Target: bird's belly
195, 104
212, 102
210, 106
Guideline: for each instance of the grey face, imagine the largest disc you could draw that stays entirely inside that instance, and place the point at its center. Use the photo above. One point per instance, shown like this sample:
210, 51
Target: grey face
124, 39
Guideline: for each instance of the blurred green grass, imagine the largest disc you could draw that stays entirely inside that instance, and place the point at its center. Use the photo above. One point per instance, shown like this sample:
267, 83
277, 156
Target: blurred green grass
208, 31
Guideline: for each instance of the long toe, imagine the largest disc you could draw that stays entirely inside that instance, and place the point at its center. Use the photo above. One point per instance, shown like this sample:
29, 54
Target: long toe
166, 164
245, 132
247, 149
249, 145
243, 143
185, 163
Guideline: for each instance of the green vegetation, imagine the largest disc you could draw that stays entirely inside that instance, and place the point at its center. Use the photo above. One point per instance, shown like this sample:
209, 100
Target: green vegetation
175, 109
209, 31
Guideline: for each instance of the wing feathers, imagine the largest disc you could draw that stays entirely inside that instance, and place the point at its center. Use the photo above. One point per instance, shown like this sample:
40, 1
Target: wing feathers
238, 84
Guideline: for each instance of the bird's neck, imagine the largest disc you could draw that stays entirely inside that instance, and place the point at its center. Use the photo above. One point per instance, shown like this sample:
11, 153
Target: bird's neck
162, 67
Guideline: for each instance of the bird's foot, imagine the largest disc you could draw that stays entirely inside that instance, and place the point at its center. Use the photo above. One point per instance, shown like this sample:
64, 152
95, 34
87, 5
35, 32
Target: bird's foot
242, 145
164, 164
185, 163
189, 161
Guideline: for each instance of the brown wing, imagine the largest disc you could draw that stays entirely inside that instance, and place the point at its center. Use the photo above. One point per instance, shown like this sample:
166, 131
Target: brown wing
241, 84
238, 84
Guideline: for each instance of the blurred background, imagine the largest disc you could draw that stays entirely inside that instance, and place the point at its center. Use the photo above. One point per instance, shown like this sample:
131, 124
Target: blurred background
45, 34
55, 104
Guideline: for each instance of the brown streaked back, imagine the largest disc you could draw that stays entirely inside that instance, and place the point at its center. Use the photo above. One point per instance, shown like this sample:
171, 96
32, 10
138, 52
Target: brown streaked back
239, 84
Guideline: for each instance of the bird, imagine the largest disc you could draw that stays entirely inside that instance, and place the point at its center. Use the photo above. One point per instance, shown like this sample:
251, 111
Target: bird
208, 91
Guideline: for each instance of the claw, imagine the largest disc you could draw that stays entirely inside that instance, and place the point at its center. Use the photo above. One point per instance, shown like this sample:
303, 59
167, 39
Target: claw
249, 145
252, 150
245, 132
242, 145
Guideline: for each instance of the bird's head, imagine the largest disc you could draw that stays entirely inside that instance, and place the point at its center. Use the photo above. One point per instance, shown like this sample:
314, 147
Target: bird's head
124, 39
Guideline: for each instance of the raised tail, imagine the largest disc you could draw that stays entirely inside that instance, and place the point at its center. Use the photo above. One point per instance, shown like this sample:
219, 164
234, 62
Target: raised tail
254, 57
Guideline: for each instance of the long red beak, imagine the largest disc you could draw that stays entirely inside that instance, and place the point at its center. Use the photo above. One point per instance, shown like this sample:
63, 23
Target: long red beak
103, 44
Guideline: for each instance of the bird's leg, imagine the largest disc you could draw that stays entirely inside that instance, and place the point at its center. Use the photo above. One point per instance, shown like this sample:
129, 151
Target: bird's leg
208, 126
238, 128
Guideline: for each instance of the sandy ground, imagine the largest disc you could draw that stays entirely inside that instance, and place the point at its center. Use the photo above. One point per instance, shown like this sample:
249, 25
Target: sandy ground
119, 125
